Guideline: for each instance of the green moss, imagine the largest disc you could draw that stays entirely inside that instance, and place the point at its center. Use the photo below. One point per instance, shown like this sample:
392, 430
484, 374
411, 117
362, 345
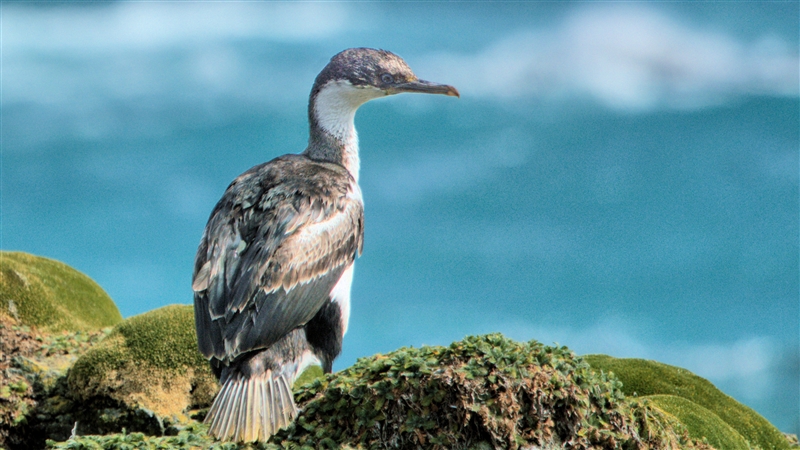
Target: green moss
149, 362
645, 378
164, 338
52, 296
700, 422
308, 375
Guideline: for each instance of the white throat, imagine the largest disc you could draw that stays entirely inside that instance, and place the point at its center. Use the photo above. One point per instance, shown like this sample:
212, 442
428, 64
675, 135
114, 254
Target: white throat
335, 110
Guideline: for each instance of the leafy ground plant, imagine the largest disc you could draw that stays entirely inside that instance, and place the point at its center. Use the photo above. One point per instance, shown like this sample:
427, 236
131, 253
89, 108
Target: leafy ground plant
482, 392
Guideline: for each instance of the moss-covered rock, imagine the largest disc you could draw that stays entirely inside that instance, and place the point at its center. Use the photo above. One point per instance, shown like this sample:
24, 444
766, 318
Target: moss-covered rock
52, 296
646, 378
148, 365
482, 392
700, 422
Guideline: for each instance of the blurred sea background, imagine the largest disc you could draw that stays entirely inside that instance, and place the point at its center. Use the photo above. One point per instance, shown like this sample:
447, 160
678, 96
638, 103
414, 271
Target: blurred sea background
620, 178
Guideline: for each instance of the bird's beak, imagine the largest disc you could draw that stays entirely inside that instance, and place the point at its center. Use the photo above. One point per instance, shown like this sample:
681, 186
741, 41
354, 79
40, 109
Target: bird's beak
424, 87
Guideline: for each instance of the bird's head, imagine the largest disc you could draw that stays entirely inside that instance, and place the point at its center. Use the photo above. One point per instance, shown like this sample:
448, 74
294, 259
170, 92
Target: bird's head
352, 78
378, 71
357, 75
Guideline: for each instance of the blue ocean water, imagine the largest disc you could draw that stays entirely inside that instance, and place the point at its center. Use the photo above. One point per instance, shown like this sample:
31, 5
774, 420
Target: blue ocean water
621, 179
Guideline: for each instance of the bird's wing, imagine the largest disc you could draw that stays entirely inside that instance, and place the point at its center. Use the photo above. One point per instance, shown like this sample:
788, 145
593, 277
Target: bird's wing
275, 245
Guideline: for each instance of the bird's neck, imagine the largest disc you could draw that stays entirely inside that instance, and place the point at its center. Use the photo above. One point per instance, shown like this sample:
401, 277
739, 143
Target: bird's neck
331, 115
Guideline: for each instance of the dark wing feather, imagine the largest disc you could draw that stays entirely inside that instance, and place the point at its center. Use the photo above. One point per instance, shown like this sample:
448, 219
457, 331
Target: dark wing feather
275, 245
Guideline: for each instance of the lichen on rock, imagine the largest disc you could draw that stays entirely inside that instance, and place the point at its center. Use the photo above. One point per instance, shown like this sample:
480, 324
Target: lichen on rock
51, 296
33, 400
16, 393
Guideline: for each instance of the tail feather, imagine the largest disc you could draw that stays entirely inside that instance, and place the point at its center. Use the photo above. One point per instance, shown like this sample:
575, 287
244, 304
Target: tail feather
263, 422
229, 409
226, 418
253, 414
289, 408
270, 404
279, 400
251, 409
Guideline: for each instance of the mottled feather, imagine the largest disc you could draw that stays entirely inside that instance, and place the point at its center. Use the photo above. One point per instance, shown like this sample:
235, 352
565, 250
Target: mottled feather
274, 247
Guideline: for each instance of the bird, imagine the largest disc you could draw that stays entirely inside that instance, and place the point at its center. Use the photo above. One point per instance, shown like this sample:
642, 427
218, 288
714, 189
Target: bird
274, 266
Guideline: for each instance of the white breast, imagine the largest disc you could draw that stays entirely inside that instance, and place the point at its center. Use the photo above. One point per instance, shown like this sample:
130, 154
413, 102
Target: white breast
341, 295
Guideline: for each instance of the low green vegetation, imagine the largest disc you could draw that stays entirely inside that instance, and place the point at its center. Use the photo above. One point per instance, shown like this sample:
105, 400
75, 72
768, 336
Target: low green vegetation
192, 437
645, 378
482, 392
51, 296
479, 393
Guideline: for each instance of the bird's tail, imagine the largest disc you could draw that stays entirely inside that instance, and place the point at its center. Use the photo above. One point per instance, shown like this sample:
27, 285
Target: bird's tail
251, 409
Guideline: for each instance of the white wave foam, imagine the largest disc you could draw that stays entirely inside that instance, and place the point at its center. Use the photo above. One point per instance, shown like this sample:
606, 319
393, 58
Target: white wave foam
625, 57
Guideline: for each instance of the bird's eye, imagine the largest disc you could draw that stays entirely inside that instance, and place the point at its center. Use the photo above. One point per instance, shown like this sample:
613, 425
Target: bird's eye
386, 78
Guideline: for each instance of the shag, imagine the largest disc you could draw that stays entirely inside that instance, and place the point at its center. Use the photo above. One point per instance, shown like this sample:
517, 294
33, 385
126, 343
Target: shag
273, 269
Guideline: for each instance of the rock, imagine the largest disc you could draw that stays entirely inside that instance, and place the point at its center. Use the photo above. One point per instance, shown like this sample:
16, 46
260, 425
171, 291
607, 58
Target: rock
645, 378
51, 296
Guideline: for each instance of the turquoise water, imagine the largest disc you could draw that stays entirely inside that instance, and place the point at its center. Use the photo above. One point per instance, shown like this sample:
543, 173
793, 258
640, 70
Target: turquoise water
617, 189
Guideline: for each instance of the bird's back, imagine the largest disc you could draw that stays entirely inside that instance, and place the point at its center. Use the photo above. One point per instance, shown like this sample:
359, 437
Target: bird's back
274, 246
